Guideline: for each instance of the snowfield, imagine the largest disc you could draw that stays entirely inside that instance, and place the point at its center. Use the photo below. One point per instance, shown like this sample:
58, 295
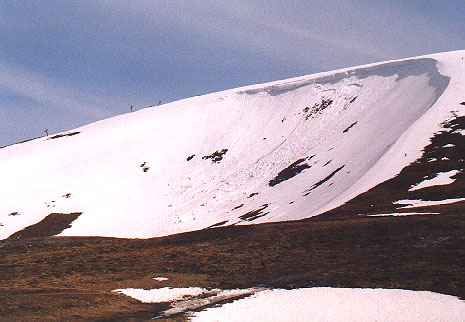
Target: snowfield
280, 151
306, 304
333, 304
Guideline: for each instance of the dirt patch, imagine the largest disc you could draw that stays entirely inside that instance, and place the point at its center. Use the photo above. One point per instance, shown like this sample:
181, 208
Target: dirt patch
51, 225
290, 172
63, 135
254, 214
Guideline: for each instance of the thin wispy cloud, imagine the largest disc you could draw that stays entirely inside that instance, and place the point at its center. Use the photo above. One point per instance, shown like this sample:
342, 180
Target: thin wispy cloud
47, 91
95, 58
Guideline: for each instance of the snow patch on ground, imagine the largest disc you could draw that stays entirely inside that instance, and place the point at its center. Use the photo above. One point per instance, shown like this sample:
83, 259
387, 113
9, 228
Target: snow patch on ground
442, 178
424, 203
185, 299
161, 279
338, 304
214, 297
165, 294
405, 214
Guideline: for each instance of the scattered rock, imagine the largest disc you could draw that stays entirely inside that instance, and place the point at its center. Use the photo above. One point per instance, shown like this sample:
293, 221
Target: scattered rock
216, 156
317, 108
144, 167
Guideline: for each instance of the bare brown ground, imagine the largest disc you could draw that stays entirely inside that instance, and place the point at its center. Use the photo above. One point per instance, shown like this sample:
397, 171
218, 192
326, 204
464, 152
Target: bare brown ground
58, 278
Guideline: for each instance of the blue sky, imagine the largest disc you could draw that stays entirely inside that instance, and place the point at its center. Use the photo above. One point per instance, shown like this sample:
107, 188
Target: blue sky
64, 63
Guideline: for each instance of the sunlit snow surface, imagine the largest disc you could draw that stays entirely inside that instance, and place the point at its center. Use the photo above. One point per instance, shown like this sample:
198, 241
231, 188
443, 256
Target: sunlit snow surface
338, 304
225, 158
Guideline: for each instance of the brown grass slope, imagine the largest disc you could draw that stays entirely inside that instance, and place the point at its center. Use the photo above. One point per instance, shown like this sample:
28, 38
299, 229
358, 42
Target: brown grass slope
50, 278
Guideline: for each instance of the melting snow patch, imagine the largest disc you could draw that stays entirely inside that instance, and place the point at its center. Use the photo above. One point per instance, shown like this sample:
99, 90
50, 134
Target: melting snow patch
165, 294
425, 203
161, 279
186, 299
405, 214
442, 178
338, 304
214, 297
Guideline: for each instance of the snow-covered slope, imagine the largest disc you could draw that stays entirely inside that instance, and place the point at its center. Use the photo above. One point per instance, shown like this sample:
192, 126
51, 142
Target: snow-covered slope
280, 151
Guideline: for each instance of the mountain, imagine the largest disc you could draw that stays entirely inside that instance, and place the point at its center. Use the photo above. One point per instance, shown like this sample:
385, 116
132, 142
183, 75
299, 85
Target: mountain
280, 151
355, 176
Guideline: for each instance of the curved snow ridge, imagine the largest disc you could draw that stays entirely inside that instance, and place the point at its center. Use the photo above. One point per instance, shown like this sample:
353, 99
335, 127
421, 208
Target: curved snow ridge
338, 304
280, 151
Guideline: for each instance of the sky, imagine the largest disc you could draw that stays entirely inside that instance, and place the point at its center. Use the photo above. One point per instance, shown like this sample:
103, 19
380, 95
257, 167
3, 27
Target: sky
68, 63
